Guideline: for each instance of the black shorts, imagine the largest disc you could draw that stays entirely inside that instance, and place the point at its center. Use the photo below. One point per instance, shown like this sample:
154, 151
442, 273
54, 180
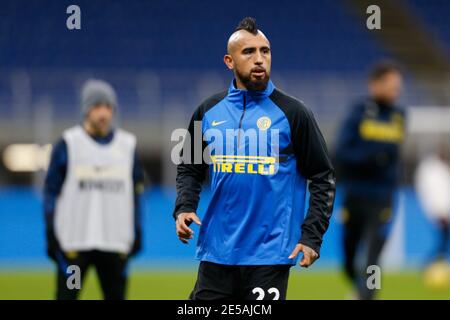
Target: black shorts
225, 282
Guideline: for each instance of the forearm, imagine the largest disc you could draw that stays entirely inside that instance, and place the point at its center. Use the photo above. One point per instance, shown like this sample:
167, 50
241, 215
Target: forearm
189, 185
315, 165
137, 212
138, 190
49, 212
322, 189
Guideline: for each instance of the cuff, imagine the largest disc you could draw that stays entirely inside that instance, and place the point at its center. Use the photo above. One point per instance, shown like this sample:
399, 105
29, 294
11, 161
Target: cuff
312, 244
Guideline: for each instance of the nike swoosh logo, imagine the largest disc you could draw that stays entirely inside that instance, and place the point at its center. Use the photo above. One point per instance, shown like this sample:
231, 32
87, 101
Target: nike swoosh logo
216, 123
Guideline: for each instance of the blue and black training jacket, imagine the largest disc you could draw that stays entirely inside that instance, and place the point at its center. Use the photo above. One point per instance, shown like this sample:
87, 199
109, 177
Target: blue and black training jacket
256, 215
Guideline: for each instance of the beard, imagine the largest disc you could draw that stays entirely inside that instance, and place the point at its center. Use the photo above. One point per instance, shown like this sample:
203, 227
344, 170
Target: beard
253, 85
99, 128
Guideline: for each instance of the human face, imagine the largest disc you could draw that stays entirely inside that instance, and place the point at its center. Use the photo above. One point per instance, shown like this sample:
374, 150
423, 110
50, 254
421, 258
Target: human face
249, 56
387, 88
99, 118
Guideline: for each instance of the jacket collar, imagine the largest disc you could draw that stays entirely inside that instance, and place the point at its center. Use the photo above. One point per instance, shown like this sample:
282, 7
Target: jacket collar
235, 94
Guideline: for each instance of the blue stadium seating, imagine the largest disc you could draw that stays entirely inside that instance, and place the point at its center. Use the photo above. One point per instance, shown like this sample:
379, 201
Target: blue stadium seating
184, 41
434, 16
306, 35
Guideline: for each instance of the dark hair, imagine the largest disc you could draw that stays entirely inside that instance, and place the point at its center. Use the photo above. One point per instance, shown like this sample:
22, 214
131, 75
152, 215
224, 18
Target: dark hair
382, 68
248, 24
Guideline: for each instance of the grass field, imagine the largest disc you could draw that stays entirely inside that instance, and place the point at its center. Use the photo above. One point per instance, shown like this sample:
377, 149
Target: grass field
177, 285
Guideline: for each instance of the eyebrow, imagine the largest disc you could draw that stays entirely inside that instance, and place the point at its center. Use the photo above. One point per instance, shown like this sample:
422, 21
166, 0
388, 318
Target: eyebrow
254, 48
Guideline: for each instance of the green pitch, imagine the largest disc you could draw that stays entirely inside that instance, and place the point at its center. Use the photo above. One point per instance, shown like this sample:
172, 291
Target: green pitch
304, 284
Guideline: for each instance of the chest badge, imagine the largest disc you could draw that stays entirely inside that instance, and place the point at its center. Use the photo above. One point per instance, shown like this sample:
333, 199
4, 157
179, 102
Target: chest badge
264, 123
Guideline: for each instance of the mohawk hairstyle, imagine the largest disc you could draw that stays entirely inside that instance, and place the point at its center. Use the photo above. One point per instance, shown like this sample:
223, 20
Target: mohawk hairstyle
248, 24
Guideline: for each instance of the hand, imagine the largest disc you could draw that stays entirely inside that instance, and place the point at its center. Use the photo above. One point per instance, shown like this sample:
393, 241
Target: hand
53, 246
309, 255
184, 219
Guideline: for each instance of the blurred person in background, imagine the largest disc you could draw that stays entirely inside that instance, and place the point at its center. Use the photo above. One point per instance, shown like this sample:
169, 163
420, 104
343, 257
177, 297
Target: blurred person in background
432, 181
91, 196
367, 157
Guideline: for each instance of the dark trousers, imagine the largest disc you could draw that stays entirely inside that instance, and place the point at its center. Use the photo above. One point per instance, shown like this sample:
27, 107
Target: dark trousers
232, 282
111, 269
444, 237
366, 226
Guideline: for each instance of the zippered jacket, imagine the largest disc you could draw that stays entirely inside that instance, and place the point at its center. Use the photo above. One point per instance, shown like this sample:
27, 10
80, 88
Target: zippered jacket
258, 212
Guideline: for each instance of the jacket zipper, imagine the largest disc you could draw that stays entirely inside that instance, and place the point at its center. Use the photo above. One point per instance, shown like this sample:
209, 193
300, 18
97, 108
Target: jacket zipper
240, 120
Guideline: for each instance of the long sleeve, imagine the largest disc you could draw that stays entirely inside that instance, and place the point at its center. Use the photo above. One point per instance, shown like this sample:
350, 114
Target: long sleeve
314, 164
54, 181
190, 174
138, 183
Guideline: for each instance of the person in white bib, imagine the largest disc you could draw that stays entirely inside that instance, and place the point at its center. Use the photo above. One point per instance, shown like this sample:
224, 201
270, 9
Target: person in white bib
91, 197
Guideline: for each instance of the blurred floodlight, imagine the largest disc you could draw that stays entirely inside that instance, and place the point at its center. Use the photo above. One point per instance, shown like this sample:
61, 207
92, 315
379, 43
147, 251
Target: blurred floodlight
26, 157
